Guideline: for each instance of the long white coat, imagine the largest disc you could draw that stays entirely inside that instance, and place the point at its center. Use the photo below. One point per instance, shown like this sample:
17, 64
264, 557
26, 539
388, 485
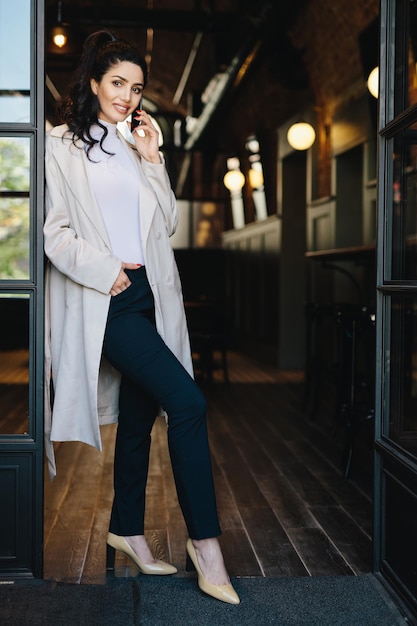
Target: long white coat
81, 271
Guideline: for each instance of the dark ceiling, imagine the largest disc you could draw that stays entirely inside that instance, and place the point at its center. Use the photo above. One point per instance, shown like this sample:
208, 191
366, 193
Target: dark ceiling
190, 44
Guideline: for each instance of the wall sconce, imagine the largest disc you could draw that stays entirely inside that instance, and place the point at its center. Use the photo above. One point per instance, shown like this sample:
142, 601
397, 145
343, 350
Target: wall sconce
256, 177
373, 82
234, 181
256, 181
301, 136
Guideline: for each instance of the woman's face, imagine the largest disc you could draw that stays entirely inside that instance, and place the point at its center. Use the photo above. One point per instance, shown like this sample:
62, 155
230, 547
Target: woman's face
119, 91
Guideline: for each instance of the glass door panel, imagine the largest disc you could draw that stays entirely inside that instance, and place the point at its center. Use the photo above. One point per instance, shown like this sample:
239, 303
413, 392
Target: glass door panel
403, 218
14, 364
412, 53
402, 372
14, 207
15, 47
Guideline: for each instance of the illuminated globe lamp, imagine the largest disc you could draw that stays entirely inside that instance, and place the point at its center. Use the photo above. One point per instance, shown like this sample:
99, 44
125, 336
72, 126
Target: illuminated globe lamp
256, 177
59, 36
234, 180
301, 136
373, 82
256, 181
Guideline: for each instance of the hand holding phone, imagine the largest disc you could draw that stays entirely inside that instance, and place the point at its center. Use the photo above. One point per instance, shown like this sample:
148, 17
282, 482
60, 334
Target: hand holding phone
134, 122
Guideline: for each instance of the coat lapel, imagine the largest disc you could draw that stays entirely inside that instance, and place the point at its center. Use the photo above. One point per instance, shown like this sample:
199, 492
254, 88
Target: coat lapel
72, 162
147, 199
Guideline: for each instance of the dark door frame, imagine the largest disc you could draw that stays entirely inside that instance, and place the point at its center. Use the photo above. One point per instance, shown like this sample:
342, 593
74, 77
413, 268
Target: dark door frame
21, 456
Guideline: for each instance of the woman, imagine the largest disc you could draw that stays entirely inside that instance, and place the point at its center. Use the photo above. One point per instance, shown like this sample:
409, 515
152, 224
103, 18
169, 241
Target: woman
117, 339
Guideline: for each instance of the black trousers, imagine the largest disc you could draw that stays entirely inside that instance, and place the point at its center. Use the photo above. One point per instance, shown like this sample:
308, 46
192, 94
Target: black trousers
152, 377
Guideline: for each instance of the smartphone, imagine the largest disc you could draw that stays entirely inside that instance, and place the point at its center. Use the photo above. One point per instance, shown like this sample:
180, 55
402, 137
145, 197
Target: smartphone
135, 123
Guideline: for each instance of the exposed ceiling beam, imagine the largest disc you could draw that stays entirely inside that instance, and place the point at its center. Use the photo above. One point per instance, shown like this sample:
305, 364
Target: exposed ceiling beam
180, 21
187, 69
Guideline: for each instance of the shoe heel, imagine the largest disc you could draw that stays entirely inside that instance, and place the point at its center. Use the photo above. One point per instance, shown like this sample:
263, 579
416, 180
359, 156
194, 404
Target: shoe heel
189, 565
110, 558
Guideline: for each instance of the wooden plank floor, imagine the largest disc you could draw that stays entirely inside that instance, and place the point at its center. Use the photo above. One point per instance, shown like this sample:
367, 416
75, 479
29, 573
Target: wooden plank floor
284, 505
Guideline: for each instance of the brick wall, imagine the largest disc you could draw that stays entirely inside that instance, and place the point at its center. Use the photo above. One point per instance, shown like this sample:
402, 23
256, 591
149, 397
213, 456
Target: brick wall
328, 34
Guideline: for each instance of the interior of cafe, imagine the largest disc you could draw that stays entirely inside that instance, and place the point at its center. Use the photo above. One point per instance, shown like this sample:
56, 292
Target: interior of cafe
296, 251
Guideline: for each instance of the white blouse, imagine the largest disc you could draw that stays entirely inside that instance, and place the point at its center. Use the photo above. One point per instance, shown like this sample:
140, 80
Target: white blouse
115, 183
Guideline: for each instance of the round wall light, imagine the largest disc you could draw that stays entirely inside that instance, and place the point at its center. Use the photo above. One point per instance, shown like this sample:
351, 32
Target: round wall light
256, 177
373, 82
301, 136
234, 180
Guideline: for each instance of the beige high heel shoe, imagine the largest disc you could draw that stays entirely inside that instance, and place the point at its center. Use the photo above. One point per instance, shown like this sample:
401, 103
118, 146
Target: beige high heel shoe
225, 593
158, 568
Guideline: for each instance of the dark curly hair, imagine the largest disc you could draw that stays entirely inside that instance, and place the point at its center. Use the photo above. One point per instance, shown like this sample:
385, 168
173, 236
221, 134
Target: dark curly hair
79, 109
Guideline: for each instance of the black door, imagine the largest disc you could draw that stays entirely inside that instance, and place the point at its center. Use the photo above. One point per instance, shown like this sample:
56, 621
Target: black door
22, 129
396, 398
